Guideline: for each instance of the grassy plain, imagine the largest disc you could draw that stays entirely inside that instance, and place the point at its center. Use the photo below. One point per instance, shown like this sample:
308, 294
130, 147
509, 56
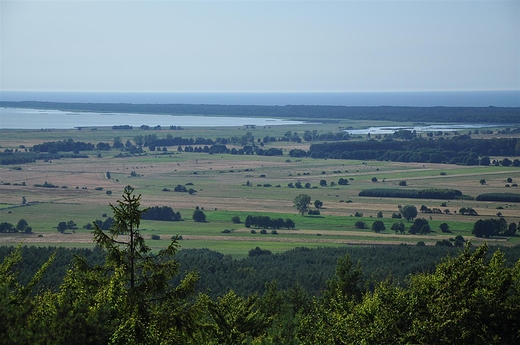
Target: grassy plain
220, 181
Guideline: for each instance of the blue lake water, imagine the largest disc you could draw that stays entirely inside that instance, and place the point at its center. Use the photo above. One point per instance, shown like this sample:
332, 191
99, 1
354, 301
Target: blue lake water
13, 118
419, 129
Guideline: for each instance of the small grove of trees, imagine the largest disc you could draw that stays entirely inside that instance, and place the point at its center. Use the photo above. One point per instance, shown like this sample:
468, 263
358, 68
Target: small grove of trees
398, 227
420, 226
268, 222
494, 227
343, 181
64, 226
164, 213
21, 226
103, 225
468, 211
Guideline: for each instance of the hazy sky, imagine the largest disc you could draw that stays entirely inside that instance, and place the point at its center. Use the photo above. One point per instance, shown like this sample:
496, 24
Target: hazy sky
255, 46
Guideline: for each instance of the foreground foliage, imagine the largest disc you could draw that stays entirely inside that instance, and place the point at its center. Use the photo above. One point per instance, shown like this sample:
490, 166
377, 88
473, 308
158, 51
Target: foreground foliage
131, 299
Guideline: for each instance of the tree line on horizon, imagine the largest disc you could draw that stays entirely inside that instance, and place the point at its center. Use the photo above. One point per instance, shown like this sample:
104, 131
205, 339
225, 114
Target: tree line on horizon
506, 115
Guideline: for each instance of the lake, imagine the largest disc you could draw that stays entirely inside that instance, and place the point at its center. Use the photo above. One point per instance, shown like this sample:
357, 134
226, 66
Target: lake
14, 118
418, 128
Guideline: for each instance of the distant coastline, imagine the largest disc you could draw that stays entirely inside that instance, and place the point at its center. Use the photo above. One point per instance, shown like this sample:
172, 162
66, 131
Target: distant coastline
12, 111
508, 98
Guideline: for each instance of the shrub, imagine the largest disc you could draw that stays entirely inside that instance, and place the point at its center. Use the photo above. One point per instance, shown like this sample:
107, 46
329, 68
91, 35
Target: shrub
156, 237
360, 224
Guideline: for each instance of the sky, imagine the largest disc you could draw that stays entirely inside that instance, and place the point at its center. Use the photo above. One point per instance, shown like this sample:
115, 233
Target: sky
259, 46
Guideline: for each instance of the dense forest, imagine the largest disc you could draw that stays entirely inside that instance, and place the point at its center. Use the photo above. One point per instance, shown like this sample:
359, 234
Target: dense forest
122, 293
380, 113
457, 150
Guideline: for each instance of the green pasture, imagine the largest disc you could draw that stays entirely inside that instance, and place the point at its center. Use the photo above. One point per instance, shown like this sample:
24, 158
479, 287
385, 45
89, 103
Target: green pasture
220, 181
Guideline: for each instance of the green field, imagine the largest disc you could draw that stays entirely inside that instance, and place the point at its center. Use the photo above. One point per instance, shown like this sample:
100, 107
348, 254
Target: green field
220, 181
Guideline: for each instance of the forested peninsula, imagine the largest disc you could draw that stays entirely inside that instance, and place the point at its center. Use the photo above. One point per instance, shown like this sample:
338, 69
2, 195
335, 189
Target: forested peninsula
503, 115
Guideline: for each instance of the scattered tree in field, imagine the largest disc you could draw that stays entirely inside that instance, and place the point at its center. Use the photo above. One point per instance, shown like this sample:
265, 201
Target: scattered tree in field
62, 227
409, 212
198, 215
235, 220
398, 226
24, 200
419, 226
378, 226
323, 183
445, 228
22, 225
318, 203
380, 214
402, 183
360, 224
482, 181
302, 202
374, 179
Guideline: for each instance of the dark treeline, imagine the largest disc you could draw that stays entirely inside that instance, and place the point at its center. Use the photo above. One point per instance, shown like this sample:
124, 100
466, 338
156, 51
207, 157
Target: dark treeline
381, 113
457, 150
63, 146
268, 222
503, 197
303, 267
431, 193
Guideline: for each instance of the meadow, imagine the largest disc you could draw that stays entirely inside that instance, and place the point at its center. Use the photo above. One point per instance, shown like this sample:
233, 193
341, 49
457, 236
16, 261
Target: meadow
237, 185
